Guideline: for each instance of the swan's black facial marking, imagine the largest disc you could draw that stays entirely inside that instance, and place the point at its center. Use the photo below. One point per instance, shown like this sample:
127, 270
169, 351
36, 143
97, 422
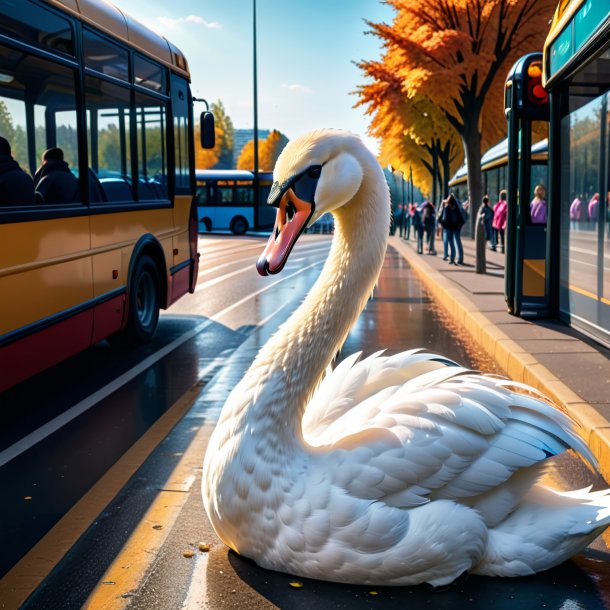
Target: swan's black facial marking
303, 184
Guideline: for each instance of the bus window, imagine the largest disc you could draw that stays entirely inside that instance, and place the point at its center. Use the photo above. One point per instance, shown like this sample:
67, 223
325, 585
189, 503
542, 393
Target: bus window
180, 104
151, 121
108, 112
148, 74
37, 112
37, 25
104, 56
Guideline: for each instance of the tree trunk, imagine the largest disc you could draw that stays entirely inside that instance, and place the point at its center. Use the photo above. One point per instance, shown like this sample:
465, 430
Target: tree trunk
471, 138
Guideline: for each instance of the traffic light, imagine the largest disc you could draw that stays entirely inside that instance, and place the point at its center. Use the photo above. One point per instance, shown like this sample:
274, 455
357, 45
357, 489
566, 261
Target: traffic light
524, 93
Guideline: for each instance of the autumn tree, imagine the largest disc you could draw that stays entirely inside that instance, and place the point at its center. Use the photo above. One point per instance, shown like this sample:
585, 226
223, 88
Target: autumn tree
410, 129
268, 152
221, 156
457, 53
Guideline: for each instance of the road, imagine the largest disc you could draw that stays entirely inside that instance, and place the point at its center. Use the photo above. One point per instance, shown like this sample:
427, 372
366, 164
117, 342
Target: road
100, 456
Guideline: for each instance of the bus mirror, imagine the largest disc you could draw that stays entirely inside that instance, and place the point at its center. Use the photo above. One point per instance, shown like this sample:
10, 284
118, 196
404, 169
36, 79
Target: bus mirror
206, 130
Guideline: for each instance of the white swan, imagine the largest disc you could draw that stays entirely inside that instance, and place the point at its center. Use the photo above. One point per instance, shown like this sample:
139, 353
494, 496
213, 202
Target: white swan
394, 470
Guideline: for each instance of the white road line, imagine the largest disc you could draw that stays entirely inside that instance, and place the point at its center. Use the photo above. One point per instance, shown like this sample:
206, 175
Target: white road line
227, 276
309, 247
27, 442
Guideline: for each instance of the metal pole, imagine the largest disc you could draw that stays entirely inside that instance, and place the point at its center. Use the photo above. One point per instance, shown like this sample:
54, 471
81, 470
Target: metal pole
256, 184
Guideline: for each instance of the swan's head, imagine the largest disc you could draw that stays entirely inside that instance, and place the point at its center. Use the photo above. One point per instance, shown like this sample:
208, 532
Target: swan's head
317, 173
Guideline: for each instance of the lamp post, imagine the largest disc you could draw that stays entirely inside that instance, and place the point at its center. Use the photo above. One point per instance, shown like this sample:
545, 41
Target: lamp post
255, 89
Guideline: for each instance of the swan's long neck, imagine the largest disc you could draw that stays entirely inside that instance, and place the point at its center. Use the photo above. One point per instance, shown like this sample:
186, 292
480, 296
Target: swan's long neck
289, 367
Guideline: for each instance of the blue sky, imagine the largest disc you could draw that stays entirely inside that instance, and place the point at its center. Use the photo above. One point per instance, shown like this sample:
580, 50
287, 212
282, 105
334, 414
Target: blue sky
305, 55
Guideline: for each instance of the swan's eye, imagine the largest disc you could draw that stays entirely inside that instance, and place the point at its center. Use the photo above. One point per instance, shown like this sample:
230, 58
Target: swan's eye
290, 211
314, 171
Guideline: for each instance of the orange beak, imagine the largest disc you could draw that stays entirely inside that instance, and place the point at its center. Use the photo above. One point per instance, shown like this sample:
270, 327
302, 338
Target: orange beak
292, 217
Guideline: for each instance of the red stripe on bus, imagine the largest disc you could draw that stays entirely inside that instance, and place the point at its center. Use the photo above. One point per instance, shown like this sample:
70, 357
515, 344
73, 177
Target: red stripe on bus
34, 353
179, 283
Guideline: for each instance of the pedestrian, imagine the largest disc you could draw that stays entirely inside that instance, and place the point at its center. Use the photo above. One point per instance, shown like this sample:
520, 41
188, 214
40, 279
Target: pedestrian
452, 220
55, 183
499, 221
538, 207
486, 215
576, 212
16, 186
592, 207
399, 219
407, 219
428, 216
418, 228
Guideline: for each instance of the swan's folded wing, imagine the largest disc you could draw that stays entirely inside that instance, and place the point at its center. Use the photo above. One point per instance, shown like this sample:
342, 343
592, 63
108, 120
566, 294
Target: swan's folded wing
353, 381
438, 442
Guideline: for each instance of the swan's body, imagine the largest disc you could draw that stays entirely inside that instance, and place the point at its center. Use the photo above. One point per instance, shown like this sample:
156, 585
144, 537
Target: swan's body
393, 470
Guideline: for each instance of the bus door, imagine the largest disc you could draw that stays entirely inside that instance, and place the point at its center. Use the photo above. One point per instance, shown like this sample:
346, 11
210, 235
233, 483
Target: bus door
526, 263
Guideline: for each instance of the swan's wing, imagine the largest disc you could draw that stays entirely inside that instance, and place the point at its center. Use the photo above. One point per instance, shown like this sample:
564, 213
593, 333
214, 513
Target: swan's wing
354, 380
446, 434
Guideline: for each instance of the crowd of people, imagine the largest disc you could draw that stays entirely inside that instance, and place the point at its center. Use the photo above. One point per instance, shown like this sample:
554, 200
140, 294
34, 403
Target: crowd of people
53, 181
426, 222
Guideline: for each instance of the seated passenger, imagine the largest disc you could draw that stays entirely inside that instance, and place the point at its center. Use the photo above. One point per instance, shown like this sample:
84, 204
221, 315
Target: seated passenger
16, 187
55, 183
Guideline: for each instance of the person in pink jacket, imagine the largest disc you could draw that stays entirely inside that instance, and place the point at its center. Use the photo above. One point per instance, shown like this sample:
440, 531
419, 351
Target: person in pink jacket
499, 221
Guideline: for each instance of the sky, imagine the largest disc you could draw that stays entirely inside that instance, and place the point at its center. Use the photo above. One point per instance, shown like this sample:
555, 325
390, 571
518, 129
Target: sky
305, 55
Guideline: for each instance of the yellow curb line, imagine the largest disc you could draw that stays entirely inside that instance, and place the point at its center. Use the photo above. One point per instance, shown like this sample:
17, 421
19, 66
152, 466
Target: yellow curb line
124, 576
27, 574
517, 363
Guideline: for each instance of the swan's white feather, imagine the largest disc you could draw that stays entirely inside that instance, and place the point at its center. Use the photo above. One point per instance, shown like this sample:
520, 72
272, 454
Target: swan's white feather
392, 469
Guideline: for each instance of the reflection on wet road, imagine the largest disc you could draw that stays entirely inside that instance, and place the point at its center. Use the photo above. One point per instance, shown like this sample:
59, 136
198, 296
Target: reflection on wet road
240, 310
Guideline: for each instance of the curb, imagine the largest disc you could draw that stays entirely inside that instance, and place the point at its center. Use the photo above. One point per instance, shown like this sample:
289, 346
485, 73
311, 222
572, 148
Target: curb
513, 360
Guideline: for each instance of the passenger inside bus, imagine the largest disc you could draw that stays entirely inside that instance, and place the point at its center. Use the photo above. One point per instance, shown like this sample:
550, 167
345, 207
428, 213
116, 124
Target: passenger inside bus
16, 186
55, 183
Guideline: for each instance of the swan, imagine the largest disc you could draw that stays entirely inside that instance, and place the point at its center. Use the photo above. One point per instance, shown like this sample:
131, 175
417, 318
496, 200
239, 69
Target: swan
390, 470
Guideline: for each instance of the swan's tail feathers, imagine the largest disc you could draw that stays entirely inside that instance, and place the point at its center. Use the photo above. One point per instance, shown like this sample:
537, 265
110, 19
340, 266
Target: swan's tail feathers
535, 409
547, 529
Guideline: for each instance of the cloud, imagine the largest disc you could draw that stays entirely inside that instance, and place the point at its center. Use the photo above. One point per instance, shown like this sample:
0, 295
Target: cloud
297, 88
172, 23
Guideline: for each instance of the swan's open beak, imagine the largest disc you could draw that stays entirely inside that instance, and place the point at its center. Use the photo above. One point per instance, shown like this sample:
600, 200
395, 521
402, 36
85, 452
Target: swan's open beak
292, 217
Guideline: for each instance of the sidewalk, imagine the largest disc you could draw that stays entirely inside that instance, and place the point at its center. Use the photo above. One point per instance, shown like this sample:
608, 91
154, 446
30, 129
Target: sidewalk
565, 365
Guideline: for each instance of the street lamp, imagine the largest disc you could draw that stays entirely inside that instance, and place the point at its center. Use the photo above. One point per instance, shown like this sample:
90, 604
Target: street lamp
256, 184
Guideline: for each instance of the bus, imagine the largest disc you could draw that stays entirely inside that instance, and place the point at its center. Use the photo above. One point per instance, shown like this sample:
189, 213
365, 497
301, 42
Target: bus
226, 201
568, 86
494, 170
99, 261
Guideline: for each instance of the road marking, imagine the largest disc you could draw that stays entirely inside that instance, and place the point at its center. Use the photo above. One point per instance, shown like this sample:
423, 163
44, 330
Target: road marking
29, 572
310, 247
145, 542
27, 442
227, 276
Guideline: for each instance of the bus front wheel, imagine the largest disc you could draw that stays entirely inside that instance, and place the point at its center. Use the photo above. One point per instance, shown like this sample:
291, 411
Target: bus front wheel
239, 225
207, 223
144, 301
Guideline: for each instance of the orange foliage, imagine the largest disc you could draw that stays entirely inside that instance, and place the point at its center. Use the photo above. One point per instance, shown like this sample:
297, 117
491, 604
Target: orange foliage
268, 152
452, 55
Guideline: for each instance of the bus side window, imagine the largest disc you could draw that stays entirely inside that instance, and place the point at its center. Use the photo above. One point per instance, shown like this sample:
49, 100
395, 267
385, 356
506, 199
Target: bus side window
108, 122
38, 112
151, 121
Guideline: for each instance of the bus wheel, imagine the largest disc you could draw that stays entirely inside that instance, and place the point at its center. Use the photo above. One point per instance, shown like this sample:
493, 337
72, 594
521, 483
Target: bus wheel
239, 225
207, 223
144, 300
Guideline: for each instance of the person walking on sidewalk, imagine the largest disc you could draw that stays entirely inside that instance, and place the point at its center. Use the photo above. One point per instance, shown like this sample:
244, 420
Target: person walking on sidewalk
452, 220
418, 228
499, 221
487, 215
428, 215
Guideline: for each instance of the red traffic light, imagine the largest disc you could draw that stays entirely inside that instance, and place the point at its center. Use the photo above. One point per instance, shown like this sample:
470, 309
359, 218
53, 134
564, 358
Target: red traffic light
536, 93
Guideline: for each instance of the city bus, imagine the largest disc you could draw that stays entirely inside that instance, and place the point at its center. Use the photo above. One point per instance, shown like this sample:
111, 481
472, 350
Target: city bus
226, 200
494, 170
574, 98
100, 260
